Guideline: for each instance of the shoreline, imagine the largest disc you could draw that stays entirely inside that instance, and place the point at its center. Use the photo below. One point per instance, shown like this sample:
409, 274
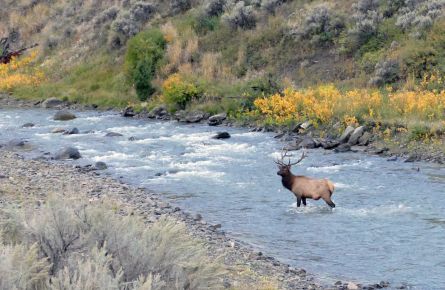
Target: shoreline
382, 148
152, 205
36, 178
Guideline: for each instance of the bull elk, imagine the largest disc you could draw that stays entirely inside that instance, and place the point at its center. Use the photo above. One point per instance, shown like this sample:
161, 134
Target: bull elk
301, 186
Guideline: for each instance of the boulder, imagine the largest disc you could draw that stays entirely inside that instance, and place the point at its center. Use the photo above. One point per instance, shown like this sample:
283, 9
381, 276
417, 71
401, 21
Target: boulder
329, 144
58, 130
71, 131
68, 153
16, 143
195, 117
158, 112
64, 115
365, 139
28, 125
113, 134
180, 115
352, 286
128, 112
51, 103
342, 148
346, 134
412, 158
308, 143
392, 158
355, 136
100, 165
217, 119
221, 135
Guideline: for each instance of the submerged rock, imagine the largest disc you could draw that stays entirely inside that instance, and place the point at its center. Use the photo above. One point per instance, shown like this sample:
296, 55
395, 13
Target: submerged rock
58, 130
28, 125
68, 153
100, 165
221, 135
64, 115
113, 134
16, 143
72, 131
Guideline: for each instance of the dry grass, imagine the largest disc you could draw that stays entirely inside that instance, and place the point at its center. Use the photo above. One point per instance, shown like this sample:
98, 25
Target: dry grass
89, 246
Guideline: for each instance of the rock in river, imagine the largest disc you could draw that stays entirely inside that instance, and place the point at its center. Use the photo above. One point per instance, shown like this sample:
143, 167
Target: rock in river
221, 135
113, 134
128, 112
68, 153
28, 125
308, 143
51, 103
72, 131
158, 112
64, 115
343, 148
195, 117
355, 136
16, 143
365, 139
58, 130
216, 120
346, 134
100, 165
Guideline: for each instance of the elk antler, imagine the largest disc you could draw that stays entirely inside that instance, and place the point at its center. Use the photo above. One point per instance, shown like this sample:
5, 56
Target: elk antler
284, 154
303, 155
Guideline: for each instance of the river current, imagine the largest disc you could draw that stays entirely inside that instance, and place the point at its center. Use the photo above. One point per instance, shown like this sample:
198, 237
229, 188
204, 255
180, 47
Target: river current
389, 223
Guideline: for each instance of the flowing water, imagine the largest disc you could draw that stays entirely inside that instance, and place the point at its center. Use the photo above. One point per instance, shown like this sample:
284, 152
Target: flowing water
389, 223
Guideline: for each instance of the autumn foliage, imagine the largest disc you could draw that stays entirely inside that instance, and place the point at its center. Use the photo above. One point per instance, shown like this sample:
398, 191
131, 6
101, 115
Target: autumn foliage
323, 103
21, 71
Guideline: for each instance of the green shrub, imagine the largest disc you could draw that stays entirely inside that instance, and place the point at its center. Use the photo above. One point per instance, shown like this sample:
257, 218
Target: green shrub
419, 133
179, 92
144, 53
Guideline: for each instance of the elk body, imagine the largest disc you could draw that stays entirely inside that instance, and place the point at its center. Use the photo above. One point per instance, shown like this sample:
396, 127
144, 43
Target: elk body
304, 187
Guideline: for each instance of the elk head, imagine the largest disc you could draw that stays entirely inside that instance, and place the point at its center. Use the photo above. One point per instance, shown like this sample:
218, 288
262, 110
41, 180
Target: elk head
284, 168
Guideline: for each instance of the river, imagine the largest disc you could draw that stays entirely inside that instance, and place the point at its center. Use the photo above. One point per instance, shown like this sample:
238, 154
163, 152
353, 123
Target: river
389, 223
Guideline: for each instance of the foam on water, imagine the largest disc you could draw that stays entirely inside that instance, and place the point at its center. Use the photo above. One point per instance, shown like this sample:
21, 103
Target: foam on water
387, 225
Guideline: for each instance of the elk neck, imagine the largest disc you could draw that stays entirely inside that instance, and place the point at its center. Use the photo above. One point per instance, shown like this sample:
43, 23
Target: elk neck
288, 180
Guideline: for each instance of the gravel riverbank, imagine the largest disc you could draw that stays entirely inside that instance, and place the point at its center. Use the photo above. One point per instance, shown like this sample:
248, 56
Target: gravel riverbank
36, 179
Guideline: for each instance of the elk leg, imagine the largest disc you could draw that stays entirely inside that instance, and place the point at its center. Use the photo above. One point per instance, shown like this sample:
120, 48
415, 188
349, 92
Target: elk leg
330, 203
304, 201
298, 201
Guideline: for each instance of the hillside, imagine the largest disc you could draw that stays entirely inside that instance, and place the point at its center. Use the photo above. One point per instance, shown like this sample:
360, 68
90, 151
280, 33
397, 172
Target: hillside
381, 60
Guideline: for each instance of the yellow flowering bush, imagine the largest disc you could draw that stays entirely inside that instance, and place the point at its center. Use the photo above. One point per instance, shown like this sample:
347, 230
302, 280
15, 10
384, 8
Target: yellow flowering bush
178, 91
317, 104
320, 104
20, 72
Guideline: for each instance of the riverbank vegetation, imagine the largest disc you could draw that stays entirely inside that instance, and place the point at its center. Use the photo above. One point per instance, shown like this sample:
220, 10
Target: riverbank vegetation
74, 244
264, 62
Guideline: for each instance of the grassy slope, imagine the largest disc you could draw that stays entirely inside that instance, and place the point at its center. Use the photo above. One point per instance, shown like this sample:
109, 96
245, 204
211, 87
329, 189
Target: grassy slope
232, 65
